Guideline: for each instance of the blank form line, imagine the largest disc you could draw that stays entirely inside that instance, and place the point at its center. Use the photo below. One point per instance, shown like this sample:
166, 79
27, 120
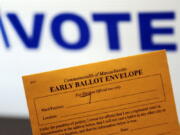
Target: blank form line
109, 107
150, 126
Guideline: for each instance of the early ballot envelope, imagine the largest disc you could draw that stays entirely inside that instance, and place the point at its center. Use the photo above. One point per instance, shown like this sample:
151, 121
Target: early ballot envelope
126, 96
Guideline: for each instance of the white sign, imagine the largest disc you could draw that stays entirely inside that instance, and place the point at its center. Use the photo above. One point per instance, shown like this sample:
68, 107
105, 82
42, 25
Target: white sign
43, 35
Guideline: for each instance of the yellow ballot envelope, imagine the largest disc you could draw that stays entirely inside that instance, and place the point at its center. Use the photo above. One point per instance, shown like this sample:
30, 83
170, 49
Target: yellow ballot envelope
125, 96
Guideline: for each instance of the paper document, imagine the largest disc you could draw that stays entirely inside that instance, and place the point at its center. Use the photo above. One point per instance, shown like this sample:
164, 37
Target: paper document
125, 96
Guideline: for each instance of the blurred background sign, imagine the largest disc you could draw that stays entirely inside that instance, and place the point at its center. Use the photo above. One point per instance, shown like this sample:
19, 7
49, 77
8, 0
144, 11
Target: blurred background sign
43, 35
